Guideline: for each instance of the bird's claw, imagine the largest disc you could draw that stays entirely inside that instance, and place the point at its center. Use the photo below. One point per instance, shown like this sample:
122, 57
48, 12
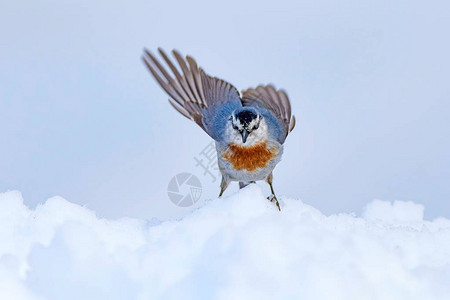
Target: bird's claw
272, 198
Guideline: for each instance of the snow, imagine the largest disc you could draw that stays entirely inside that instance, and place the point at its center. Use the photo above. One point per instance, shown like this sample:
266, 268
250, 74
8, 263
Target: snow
237, 247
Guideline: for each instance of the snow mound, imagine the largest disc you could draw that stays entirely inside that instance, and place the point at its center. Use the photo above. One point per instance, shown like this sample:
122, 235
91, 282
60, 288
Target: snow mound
238, 247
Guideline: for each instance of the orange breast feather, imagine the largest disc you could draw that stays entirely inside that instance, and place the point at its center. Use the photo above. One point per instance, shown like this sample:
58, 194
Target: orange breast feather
249, 158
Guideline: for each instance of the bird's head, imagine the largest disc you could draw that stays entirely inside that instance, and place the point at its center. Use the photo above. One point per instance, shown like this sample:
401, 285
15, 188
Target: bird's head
245, 122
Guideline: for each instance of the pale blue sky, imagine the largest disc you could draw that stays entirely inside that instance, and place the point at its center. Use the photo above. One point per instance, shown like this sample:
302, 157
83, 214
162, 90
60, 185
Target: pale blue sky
81, 117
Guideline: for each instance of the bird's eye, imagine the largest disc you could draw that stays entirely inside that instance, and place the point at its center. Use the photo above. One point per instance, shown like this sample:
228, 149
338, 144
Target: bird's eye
256, 126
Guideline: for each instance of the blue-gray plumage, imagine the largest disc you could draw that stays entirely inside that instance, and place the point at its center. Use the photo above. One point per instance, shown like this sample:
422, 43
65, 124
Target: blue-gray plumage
249, 128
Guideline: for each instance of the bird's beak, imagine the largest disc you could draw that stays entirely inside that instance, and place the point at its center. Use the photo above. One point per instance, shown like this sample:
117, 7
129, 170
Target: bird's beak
244, 134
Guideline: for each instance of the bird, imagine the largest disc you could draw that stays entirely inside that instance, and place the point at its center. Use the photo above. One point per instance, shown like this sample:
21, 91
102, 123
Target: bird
249, 128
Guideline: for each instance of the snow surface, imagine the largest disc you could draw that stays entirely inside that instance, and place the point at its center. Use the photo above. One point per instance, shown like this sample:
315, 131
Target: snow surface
237, 247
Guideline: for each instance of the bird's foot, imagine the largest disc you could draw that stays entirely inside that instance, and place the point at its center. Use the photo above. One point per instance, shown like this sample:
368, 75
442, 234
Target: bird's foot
272, 198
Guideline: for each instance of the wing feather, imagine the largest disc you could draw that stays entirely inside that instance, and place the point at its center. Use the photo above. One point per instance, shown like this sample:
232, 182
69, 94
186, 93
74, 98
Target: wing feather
174, 70
196, 73
170, 86
180, 109
187, 79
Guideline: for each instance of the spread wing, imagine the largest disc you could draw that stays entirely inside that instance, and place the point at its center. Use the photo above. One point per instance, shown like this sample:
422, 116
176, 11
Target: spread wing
192, 91
277, 101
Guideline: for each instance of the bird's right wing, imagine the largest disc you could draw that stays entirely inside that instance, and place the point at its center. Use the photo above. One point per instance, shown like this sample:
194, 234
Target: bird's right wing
277, 101
192, 91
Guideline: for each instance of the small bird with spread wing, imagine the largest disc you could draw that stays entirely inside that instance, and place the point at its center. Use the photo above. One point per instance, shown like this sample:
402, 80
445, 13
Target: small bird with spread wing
249, 129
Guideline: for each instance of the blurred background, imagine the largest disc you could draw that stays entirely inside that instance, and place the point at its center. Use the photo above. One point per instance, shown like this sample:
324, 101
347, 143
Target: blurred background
81, 117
